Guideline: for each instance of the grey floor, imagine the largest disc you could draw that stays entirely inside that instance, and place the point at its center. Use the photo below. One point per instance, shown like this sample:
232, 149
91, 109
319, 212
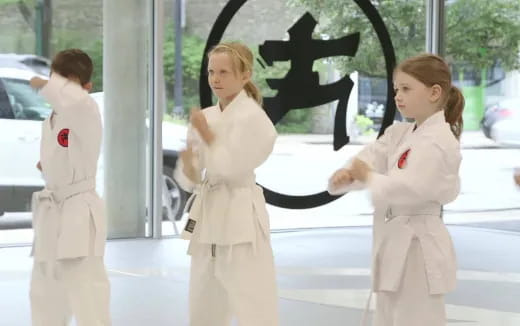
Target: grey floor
323, 279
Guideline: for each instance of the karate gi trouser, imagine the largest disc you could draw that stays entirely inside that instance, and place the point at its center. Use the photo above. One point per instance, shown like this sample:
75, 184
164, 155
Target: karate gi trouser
65, 288
76, 287
239, 283
412, 304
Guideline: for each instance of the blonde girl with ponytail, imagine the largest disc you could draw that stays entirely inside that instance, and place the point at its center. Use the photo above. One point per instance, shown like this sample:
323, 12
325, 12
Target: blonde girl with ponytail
232, 267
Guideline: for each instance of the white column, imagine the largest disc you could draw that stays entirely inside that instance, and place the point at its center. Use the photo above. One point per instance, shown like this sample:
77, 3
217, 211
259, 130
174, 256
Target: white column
435, 36
155, 133
126, 75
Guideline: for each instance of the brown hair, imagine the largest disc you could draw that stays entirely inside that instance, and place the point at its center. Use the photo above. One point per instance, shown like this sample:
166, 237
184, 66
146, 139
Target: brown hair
242, 59
431, 70
73, 63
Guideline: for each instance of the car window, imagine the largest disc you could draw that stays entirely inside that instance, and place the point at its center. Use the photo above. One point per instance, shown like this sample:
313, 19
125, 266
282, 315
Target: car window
6, 111
39, 66
26, 104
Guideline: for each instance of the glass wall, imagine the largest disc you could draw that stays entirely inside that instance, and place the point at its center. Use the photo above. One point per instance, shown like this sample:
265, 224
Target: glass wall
31, 33
484, 61
304, 156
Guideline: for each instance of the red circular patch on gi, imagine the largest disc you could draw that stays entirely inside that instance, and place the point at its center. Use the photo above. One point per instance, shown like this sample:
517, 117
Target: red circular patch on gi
402, 160
63, 137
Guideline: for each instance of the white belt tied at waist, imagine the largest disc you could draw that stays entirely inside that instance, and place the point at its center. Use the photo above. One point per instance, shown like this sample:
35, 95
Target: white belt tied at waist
203, 190
431, 209
46, 206
192, 220
397, 242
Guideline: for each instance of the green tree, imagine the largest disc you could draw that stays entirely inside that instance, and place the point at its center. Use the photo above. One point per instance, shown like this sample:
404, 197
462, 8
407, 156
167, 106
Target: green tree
480, 35
192, 50
483, 33
338, 18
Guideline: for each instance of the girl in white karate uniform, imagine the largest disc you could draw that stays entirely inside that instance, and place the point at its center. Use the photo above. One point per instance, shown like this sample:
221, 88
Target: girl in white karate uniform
232, 267
411, 172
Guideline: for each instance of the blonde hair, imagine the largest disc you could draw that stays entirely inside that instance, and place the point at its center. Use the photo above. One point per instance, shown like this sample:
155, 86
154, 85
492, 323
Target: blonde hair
242, 59
431, 70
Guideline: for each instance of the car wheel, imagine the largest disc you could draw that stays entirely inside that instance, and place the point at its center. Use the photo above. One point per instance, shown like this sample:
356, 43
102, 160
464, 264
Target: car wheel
177, 196
485, 128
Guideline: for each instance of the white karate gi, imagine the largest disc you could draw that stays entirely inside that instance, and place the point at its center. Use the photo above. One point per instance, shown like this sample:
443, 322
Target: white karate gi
69, 277
414, 263
232, 269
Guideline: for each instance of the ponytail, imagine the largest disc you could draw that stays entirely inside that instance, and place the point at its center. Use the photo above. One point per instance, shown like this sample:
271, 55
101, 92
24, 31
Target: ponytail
430, 69
253, 92
453, 111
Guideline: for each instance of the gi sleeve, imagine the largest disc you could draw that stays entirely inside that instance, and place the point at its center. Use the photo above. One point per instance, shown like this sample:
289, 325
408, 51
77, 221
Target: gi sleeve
429, 173
82, 121
178, 174
62, 94
375, 155
242, 147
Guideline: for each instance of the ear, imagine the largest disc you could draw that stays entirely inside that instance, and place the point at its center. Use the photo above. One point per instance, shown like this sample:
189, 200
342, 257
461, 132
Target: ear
436, 93
88, 86
246, 77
